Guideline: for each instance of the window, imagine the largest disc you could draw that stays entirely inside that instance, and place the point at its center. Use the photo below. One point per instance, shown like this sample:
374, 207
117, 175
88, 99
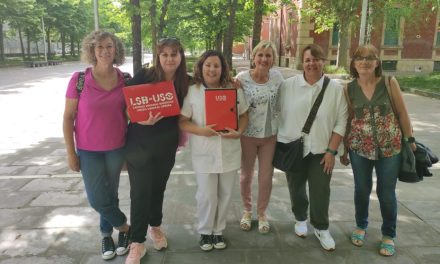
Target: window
335, 34
389, 65
391, 35
438, 34
436, 66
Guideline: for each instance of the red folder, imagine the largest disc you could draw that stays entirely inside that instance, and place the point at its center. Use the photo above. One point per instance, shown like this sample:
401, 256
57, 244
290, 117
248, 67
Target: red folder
155, 97
221, 108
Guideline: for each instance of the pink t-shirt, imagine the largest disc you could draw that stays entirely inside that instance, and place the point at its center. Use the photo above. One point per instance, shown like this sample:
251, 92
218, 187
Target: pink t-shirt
100, 123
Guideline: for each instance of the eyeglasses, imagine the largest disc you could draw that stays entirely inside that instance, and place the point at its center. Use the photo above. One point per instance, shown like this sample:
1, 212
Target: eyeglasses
367, 58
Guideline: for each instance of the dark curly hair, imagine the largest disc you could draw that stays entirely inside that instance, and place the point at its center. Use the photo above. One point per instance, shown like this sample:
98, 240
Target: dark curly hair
225, 77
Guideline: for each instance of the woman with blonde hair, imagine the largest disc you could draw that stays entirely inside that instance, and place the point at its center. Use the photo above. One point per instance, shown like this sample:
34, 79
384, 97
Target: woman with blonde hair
260, 85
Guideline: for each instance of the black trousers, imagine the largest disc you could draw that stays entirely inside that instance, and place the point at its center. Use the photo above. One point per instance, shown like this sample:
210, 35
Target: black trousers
149, 165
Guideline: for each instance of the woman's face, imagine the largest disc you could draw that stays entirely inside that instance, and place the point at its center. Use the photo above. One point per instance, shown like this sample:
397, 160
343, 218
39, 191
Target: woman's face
105, 51
365, 63
212, 70
263, 59
169, 60
312, 65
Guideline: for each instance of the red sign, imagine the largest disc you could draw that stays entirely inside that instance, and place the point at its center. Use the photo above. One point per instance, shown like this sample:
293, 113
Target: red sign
221, 108
153, 97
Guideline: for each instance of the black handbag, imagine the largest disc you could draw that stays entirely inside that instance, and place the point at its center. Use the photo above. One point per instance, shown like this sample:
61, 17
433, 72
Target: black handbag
289, 156
407, 171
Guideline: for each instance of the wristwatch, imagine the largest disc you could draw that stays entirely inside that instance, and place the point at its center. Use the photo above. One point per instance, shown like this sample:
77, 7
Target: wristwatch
409, 139
331, 151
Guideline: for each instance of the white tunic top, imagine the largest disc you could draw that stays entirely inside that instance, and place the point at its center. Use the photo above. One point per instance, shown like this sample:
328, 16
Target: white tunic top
211, 154
262, 100
296, 100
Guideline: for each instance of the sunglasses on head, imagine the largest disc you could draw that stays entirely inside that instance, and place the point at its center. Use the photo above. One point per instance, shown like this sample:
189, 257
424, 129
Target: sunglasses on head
169, 39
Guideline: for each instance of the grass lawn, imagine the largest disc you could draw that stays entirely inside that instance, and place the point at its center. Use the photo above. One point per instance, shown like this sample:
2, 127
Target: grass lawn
430, 83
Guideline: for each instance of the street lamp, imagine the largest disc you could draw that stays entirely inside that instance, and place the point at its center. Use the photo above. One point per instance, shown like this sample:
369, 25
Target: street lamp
95, 9
363, 22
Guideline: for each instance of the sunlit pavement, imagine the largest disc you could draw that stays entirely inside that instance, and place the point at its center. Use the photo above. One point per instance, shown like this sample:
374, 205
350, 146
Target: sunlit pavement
45, 217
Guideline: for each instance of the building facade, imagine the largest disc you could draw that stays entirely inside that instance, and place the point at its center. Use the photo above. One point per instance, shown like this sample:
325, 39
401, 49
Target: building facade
403, 47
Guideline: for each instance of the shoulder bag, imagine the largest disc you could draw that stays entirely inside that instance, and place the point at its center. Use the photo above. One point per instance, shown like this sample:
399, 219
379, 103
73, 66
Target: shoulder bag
407, 172
288, 156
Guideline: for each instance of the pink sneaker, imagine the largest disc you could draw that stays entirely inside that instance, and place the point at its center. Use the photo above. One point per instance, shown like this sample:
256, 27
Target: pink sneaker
137, 251
158, 237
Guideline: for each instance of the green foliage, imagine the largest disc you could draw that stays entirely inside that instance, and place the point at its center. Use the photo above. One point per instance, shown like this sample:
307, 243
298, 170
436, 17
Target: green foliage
333, 69
429, 82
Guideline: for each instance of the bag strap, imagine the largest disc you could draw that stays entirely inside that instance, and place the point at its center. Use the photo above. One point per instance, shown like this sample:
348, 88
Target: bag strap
81, 76
315, 107
390, 94
80, 83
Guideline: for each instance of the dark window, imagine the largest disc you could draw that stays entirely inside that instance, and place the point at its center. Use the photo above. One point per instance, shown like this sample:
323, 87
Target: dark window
335, 34
438, 35
389, 65
436, 66
392, 28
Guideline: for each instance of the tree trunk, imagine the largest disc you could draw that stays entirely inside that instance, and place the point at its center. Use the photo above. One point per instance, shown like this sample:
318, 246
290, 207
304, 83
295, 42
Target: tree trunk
2, 48
229, 34
48, 41
153, 29
72, 46
20, 36
28, 44
218, 41
136, 32
38, 49
63, 44
258, 18
163, 13
343, 44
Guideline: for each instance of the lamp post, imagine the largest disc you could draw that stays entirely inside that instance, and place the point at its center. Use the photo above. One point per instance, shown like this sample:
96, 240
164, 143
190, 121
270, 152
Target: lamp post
363, 22
95, 11
44, 39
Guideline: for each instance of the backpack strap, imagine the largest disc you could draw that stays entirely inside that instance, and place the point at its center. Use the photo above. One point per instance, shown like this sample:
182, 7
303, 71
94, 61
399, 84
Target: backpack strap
127, 77
80, 83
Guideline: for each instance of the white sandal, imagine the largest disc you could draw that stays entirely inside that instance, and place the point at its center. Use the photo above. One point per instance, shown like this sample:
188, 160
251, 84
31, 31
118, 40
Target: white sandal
246, 221
263, 225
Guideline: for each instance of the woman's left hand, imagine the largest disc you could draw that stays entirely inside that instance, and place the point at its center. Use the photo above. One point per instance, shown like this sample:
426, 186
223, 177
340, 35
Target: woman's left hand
329, 162
413, 146
230, 133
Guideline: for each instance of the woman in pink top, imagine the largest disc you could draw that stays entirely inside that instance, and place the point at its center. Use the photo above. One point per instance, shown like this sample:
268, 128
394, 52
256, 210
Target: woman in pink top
94, 129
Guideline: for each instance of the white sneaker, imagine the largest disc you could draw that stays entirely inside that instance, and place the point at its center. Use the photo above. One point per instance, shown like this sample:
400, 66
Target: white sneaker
326, 239
301, 228
137, 251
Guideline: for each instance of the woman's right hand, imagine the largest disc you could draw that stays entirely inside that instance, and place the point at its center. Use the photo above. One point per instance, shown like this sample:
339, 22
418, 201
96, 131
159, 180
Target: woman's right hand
73, 161
344, 159
151, 119
208, 131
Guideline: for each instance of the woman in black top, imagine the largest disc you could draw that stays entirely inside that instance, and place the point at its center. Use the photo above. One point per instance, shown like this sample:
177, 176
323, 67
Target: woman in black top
151, 150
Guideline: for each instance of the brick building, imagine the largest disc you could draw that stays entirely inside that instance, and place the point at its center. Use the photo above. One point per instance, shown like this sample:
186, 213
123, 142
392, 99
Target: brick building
402, 47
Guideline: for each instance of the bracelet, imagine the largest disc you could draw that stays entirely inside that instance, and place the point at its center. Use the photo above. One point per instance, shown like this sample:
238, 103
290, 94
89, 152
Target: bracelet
331, 151
409, 139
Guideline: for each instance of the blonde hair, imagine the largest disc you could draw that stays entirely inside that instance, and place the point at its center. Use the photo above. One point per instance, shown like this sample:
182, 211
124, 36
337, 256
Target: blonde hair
264, 44
89, 42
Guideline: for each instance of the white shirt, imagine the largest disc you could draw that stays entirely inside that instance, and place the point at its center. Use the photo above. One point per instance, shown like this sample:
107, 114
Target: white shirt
211, 154
296, 100
262, 100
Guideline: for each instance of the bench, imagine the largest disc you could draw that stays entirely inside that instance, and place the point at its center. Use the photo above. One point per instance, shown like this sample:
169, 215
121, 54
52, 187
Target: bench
33, 64
54, 62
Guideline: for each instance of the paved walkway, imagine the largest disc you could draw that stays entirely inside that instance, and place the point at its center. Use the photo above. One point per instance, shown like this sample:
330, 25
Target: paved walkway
45, 217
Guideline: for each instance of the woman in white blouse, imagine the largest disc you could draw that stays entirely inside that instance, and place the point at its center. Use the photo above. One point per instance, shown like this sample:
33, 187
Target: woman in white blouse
260, 86
297, 95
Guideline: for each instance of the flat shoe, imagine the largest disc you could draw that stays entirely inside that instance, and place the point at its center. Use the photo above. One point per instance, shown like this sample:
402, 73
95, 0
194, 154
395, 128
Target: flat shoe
263, 225
387, 248
358, 239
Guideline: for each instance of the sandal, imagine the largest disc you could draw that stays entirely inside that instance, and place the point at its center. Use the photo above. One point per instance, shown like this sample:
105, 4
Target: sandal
357, 238
387, 247
246, 221
263, 225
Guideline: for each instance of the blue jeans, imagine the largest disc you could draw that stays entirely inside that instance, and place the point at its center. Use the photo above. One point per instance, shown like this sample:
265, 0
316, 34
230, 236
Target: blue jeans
387, 170
101, 171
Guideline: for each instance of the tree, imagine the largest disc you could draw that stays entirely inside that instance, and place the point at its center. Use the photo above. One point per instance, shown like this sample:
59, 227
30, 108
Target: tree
229, 34
258, 19
136, 32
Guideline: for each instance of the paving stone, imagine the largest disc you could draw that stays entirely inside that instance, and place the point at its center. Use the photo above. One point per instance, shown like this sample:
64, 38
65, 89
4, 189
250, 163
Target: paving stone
40, 260
61, 198
51, 184
23, 218
70, 217
16, 199
25, 242
10, 170
12, 184
214, 257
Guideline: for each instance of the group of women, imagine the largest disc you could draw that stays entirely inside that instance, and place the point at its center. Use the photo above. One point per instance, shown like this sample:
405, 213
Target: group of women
270, 109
